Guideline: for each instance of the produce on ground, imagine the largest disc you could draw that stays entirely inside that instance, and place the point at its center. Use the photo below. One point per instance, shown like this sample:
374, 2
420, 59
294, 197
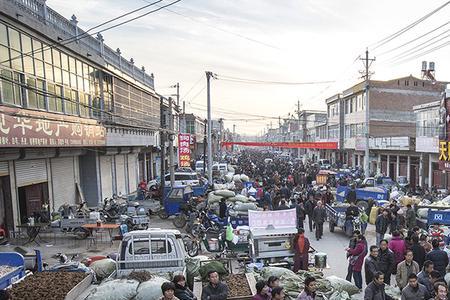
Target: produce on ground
47, 285
5, 270
237, 285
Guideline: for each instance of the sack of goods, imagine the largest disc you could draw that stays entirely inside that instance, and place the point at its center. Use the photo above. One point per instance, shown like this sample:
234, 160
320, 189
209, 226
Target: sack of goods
237, 178
245, 206
239, 198
103, 268
228, 178
224, 193
117, 289
244, 178
150, 289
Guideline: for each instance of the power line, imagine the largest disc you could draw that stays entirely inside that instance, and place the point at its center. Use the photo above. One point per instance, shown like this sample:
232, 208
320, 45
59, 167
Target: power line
443, 45
75, 38
192, 87
257, 81
223, 30
413, 40
407, 28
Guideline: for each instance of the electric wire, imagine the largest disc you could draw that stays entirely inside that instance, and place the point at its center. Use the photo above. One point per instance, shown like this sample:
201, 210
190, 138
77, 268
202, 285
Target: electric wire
257, 81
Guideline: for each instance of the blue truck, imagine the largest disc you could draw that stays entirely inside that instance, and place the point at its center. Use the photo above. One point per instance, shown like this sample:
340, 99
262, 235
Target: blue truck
379, 194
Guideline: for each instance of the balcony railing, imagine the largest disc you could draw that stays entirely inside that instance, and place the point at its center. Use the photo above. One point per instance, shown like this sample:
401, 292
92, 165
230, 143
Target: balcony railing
39, 10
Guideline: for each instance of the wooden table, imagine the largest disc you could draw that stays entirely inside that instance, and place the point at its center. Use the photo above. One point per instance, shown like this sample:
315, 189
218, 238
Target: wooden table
94, 227
33, 232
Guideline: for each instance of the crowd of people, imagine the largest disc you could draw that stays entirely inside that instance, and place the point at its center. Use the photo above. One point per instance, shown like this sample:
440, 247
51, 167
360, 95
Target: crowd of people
408, 260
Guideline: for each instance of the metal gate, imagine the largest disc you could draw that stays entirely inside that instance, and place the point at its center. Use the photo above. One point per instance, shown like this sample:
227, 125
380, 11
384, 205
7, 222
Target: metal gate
132, 172
30, 172
106, 176
120, 175
4, 170
63, 181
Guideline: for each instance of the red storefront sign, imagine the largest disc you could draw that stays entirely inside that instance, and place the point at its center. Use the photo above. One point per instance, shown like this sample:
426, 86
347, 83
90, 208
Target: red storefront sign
304, 145
32, 131
184, 150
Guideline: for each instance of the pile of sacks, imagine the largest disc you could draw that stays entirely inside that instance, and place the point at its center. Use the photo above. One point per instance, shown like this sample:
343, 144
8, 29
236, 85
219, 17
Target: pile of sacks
332, 287
240, 205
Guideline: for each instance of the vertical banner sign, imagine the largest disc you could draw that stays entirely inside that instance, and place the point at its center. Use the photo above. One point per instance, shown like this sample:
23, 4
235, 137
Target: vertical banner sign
444, 132
184, 150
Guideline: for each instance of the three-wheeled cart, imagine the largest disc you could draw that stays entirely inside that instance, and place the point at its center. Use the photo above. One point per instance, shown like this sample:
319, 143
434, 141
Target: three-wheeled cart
174, 199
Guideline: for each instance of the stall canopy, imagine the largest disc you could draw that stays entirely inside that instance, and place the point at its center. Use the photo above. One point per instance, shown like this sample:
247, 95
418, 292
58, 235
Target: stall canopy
303, 145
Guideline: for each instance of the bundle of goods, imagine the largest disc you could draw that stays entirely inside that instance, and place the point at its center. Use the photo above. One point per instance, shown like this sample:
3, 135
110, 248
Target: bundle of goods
331, 287
241, 178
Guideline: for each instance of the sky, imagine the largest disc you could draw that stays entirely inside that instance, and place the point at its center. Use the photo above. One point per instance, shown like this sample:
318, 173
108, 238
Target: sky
290, 41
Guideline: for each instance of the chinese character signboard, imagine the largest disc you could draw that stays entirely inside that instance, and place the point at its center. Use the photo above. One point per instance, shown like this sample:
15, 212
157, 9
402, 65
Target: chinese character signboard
31, 131
444, 155
184, 150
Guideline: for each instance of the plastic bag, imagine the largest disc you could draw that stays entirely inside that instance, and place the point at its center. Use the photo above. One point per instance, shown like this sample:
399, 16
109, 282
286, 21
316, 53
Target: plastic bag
339, 284
118, 289
229, 233
224, 193
266, 272
103, 268
150, 289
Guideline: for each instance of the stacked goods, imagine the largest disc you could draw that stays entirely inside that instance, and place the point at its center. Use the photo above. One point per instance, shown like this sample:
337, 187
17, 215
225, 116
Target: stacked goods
103, 268
327, 288
47, 285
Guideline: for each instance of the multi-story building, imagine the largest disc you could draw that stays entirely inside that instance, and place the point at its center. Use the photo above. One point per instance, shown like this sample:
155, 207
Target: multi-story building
78, 120
196, 127
391, 124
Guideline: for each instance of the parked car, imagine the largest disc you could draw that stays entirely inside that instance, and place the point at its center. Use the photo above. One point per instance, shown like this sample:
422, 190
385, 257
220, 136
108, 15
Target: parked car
183, 178
380, 181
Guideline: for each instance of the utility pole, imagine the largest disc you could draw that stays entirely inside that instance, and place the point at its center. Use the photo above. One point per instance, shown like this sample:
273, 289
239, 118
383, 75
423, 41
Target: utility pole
171, 138
162, 137
209, 141
178, 95
204, 148
220, 138
234, 137
184, 129
298, 124
367, 63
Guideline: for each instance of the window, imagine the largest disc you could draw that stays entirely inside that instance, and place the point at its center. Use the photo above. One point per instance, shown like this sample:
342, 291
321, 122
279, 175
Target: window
3, 35
16, 60
4, 56
26, 44
32, 95
39, 68
158, 247
37, 50
84, 104
7, 87
56, 57
14, 39
40, 85
28, 65
54, 97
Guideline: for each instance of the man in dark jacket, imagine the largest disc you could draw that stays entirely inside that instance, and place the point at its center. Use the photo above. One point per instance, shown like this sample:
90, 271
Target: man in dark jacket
414, 290
309, 209
386, 260
319, 216
375, 289
351, 196
418, 250
424, 276
215, 290
410, 217
438, 257
381, 225
371, 264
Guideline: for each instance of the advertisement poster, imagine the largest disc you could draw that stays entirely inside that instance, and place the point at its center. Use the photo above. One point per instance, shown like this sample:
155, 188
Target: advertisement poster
184, 150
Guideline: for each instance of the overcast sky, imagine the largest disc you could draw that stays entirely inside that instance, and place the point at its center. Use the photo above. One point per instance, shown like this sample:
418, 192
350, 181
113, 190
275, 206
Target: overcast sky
284, 40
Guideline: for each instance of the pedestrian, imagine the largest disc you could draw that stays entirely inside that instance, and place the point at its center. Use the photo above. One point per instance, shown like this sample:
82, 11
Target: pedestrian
441, 291
278, 293
327, 197
371, 264
182, 291
319, 217
435, 276
268, 199
410, 217
356, 260
406, 268
300, 210
309, 292
424, 276
418, 250
214, 290
398, 245
168, 291
222, 208
375, 288
262, 291
438, 257
386, 261
352, 245
381, 225
364, 218
423, 240
301, 250
351, 195
309, 209
273, 282
283, 205
414, 290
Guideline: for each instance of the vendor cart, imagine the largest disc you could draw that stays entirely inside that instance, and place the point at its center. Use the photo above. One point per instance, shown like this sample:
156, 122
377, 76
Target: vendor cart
12, 265
174, 199
326, 177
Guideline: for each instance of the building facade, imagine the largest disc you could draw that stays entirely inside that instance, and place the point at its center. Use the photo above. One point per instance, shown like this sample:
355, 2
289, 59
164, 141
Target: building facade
75, 115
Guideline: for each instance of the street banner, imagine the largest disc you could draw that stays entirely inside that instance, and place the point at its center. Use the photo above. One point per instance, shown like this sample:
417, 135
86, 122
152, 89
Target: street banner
184, 150
275, 218
294, 145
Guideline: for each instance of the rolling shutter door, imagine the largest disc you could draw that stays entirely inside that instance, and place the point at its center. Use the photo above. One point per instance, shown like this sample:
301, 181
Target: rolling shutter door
106, 176
132, 179
30, 172
120, 175
4, 170
63, 177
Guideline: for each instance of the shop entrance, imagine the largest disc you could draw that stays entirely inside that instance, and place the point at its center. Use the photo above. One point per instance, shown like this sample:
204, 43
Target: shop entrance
6, 211
31, 199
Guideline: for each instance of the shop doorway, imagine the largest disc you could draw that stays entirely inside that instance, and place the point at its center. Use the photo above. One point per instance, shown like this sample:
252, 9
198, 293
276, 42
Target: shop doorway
392, 170
6, 210
31, 199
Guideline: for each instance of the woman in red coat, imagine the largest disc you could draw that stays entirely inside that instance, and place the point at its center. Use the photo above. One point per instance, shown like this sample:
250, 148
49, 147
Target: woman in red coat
356, 259
398, 245
301, 248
